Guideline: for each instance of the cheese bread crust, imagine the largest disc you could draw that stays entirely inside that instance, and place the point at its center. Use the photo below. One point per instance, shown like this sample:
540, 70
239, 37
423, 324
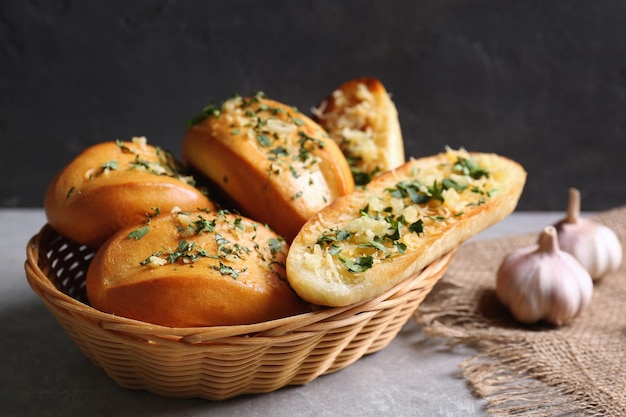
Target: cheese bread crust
369, 241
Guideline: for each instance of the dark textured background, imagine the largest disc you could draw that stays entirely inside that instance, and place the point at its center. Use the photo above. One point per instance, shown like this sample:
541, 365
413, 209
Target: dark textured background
543, 82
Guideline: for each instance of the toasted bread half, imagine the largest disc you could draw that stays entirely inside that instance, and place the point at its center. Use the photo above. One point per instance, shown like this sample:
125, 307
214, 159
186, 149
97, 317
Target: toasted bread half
361, 117
369, 241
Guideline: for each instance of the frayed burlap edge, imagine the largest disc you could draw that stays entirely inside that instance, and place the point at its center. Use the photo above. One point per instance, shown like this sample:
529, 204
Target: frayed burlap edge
533, 370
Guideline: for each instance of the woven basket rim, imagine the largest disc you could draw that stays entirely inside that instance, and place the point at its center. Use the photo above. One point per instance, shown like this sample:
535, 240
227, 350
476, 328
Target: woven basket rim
41, 284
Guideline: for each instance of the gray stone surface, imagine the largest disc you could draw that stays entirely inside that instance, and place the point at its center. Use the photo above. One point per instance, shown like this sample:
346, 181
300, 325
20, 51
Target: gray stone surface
44, 374
543, 82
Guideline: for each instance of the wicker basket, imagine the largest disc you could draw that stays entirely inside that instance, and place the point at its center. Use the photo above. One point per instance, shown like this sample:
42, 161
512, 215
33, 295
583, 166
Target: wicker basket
216, 362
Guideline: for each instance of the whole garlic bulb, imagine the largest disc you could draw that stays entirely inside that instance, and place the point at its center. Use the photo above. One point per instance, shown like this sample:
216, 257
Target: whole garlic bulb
543, 282
594, 245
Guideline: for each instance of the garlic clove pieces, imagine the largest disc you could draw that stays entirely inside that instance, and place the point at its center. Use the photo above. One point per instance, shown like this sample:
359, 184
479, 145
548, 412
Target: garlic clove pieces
594, 245
542, 282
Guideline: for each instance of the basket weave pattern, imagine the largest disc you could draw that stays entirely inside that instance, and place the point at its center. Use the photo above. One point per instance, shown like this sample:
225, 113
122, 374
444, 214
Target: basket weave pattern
220, 362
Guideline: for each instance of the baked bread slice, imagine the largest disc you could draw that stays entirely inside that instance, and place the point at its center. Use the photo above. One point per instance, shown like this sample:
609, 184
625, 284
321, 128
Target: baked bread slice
115, 184
367, 242
278, 166
189, 269
361, 117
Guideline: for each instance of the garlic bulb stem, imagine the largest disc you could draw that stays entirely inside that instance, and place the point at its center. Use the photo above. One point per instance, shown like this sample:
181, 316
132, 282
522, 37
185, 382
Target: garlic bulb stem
594, 245
548, 241
573, 206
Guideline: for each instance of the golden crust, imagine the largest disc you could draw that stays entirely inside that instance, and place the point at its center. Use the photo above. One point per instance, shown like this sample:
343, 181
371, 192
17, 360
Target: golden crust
276, 164
361, 117
114, 184
404, 220
229, 270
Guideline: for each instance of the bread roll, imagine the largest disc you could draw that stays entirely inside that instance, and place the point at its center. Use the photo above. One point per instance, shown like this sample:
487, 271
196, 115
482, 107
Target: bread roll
367, 242
360, 116
277, 165
193, 269
114, 184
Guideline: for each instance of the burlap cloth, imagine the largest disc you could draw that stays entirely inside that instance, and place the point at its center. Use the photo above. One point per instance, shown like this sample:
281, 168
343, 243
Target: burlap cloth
533, 370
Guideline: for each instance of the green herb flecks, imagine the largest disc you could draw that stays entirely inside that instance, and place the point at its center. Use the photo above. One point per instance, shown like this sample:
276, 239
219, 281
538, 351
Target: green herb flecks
264, 140
186, 253
359, 264
227, 270
123, 146
467, 166
142, 231
307, 144
275, 245
139, 233
110, 165
208, 111
413, 190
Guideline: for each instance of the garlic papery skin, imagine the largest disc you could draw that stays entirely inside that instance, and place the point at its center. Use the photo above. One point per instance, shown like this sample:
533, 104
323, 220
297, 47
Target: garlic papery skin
542, 282
594, 245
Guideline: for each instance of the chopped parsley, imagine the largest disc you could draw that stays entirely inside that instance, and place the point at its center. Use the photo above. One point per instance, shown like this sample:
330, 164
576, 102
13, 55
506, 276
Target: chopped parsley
186, 252
359, 264
467, 166
142, 231
110, 165
264, 140
275, 245
139, 233
390, 243
227, 270
208, 111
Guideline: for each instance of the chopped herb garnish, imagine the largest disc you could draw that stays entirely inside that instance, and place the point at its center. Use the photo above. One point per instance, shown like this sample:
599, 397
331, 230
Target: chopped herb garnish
142, 231
210, 110
467, 166
401, 247
373, 244
334, 249
417, 227
411, 190
227, 270
264, 140
333, 236
203, 225
139, 233
110, 165
123, 146
293, 171
450, 183
279, 151
359, 264
275, 245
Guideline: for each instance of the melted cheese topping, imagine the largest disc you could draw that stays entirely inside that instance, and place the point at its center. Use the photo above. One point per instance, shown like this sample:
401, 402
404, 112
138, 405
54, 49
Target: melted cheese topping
350, 125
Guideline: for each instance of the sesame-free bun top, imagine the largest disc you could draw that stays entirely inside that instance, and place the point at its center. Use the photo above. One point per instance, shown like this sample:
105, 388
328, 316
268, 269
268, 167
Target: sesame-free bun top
277, 165
114, 184
193, 269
